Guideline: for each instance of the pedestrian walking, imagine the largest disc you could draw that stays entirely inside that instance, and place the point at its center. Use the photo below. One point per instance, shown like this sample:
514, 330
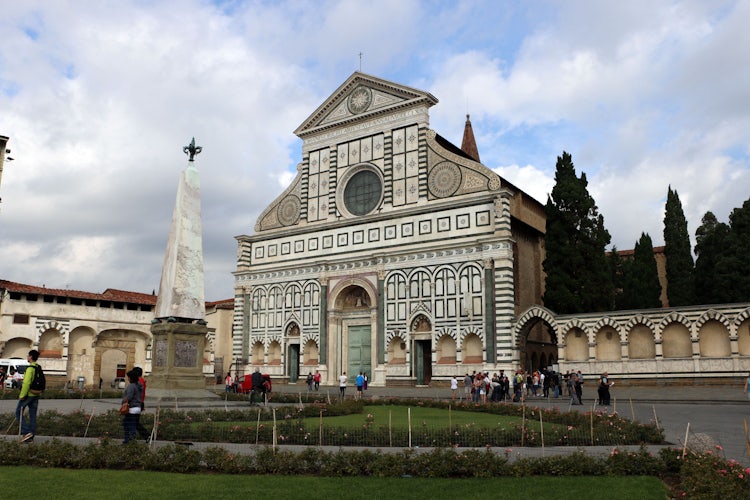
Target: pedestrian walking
131, 395
604, 384
342, 385
28, 399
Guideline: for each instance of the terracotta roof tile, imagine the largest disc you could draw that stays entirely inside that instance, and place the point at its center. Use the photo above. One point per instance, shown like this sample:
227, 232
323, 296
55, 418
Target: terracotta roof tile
109, 294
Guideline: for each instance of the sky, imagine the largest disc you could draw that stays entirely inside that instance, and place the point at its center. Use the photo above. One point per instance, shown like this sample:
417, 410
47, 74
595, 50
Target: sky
99, 98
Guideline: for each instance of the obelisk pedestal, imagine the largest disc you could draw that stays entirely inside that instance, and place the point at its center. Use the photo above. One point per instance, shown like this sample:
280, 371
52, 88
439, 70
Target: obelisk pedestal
177, 361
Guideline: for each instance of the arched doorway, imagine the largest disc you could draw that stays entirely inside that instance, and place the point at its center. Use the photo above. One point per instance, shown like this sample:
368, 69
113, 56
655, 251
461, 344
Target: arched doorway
293, 351
351, 335
421, 334
113, 365
537, 343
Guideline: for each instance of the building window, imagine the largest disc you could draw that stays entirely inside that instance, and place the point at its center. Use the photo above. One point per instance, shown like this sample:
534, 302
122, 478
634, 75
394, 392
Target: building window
20, 319
363, 192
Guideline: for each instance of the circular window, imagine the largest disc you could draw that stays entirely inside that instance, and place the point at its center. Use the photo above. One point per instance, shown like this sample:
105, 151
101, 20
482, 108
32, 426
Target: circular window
363, 192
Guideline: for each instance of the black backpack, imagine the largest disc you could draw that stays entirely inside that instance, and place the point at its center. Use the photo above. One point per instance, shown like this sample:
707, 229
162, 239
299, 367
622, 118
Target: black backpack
38, 383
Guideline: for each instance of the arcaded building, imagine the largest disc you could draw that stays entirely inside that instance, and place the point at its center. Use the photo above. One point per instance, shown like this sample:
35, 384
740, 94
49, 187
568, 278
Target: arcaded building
85, 336
393, 252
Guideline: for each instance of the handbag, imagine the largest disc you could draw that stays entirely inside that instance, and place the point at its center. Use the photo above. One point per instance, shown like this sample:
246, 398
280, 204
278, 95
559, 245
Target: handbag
124, 409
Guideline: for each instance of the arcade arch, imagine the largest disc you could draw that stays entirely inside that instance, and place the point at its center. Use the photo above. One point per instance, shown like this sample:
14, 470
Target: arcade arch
445, 350
713, 340
537, 340
608, 345
676, 341
641, 344
311, 353
397, 351
257, 353
17, 348
51, 344
576, 345
743, 338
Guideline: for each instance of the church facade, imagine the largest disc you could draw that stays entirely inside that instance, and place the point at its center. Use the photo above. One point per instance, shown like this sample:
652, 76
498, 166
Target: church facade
393, 252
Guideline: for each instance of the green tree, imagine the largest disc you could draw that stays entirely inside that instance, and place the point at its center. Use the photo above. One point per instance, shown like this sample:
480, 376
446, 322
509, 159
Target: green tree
617, 269
713, 275
680, 267
641, 287
578, 274
739, 248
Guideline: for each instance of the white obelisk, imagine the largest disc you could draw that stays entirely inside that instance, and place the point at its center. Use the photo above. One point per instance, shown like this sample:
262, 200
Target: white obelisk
181, 290
179, 328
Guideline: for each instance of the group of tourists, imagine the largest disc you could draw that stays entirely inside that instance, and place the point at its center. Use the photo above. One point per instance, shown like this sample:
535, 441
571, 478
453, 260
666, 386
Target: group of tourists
521, 385
313, 380
360, 382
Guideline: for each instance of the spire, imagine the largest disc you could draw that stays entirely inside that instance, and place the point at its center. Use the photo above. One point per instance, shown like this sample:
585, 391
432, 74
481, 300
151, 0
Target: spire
469, 145
181, 291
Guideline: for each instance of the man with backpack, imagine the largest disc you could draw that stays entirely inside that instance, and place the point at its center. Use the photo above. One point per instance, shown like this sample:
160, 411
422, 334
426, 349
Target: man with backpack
33, 386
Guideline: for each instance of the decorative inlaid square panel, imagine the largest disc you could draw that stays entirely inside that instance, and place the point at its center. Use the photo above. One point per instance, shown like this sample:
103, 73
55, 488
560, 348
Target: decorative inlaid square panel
299, 246
312, 244
407, 229
483, 218
373, 234
462, 221
259, 252
185, 353
390, 232
358, 237
328, 241
272, 250
343, 239
425, 227
285, 248
444, 224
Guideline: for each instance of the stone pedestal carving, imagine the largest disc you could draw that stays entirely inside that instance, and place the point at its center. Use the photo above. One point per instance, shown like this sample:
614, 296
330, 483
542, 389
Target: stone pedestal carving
177, 368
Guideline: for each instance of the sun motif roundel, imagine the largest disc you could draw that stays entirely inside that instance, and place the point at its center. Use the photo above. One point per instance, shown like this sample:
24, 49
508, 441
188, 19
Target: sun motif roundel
289, 210
444, 179
359, 100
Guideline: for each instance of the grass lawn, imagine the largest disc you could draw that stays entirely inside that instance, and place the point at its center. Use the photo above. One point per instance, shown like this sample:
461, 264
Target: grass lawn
22, 482
420, 417
430, 417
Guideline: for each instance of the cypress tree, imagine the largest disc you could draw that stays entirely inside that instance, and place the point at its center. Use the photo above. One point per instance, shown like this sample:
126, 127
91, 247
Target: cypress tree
739, 249
578, 274
713, 264
617, 270
642, 288
680, 267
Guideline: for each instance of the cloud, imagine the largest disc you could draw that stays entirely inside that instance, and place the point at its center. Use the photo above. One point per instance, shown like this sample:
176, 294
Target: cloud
99, 99
535, 182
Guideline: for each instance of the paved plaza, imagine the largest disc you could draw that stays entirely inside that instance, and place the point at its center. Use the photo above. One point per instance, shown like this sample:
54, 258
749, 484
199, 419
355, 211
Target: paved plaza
716, 414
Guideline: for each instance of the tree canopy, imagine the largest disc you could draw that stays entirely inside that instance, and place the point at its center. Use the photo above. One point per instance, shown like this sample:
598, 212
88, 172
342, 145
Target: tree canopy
722, 268
679, 266
641, 289
578, 274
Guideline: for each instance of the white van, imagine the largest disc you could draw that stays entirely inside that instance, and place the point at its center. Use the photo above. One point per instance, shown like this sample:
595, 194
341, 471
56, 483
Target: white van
14, 369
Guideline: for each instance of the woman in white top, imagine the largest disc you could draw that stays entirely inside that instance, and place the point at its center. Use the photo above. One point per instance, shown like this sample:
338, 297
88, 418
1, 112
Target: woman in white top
454, 387
342, 384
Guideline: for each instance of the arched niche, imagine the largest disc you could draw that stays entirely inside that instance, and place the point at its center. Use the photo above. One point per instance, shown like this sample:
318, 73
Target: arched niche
641, 343
676, 342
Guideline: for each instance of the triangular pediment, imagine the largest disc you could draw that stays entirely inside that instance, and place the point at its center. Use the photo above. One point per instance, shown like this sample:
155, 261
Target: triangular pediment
362, 97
